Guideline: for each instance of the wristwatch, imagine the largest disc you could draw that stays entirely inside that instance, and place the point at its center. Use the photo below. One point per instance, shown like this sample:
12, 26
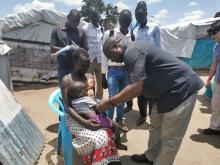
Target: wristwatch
110, 102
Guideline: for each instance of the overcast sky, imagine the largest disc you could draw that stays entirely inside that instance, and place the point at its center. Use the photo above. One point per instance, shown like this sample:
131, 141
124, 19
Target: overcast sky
162, 11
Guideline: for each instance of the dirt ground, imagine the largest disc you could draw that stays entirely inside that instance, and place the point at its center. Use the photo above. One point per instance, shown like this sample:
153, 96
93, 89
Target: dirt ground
196, 148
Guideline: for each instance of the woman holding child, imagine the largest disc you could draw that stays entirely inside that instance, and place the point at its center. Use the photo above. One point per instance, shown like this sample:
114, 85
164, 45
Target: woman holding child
97, 146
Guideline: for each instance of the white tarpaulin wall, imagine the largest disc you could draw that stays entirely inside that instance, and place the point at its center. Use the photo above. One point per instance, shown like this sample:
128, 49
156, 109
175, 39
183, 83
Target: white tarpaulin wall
28, 34
180, 39
5, 74
21, 142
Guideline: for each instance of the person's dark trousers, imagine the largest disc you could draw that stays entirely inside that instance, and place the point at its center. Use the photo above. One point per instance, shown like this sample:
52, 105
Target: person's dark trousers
129, 103
151, 103
142, 105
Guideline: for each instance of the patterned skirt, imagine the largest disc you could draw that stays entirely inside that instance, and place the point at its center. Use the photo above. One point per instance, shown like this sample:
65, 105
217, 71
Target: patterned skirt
96, 147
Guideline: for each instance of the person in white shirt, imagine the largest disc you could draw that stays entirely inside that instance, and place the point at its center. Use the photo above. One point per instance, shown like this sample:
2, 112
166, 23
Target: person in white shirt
94, 35
117, 75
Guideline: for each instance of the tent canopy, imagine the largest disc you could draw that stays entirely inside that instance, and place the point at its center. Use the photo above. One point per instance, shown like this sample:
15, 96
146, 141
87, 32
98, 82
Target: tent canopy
180, 39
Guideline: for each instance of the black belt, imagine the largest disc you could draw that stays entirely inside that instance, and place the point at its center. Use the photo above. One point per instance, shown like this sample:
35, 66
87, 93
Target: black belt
116, 67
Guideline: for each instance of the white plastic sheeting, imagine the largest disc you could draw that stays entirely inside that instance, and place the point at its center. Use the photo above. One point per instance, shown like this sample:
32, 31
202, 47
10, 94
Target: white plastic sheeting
28, 34
33, 25
179, 39
31, 17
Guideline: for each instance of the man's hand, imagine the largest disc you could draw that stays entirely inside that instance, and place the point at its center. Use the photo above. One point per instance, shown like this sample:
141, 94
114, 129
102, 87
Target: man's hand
104, 82
92, 125
103, 105
74, 48
207, 83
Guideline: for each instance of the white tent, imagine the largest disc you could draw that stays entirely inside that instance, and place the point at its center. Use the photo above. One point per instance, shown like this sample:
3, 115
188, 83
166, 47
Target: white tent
179, 39
28, 34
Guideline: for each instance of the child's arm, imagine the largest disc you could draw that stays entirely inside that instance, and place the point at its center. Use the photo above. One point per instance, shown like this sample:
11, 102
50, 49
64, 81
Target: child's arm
90, 85
87, 123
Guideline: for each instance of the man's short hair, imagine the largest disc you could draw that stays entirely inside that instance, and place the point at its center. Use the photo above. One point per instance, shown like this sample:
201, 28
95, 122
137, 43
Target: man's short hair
126, 14
109, 44
83, 52
141, 4
73, 12
92, 10
215, 27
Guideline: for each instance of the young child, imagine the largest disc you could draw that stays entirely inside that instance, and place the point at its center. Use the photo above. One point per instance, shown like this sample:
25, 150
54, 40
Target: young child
79, 93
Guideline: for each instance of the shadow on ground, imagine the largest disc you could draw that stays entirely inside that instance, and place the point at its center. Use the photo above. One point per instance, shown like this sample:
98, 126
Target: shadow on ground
77, 160
202, 72
25, 86
53, 128
127, 160
206, 104
53, 153
213, 140
130, 121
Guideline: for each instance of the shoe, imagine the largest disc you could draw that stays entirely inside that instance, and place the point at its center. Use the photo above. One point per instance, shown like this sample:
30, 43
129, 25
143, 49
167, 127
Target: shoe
122, 126
141, 159
210, 131
140, 120
127, 109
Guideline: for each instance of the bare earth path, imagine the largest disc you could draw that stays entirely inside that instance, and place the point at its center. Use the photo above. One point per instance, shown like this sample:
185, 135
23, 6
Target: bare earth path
196, 149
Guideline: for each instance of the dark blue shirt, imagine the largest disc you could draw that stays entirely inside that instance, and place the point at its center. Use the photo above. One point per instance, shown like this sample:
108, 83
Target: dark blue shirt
62, 36
167, 79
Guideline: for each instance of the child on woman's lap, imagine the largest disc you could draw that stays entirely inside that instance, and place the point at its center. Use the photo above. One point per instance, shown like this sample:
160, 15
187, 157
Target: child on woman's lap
82, 100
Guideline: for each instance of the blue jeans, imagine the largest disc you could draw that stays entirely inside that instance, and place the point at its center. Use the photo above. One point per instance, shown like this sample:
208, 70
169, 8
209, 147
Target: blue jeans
117, 80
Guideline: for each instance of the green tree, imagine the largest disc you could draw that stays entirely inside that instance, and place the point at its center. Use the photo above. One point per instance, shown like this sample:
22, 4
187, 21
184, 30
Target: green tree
109, 11
98, 4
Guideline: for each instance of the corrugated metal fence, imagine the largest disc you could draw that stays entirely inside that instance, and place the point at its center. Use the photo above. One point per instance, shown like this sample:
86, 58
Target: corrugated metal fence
21, 142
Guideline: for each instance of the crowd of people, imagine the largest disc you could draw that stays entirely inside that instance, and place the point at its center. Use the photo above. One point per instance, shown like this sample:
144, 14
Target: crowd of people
129, 61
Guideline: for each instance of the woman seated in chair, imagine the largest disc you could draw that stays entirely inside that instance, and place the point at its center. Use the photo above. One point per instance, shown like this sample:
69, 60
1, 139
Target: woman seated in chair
97, 146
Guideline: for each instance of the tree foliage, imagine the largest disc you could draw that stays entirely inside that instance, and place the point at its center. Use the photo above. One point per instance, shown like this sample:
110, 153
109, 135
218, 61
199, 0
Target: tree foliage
98, 4
109, 11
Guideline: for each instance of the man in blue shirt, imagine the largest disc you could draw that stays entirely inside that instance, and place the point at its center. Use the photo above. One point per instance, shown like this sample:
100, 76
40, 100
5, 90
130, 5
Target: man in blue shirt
149, 33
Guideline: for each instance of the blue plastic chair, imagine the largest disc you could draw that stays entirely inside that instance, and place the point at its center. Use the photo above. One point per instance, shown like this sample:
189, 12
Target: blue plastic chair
64, 136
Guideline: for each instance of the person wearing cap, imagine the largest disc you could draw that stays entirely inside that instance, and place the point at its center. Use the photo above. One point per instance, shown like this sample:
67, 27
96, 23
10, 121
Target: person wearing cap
214, 128
156, 74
